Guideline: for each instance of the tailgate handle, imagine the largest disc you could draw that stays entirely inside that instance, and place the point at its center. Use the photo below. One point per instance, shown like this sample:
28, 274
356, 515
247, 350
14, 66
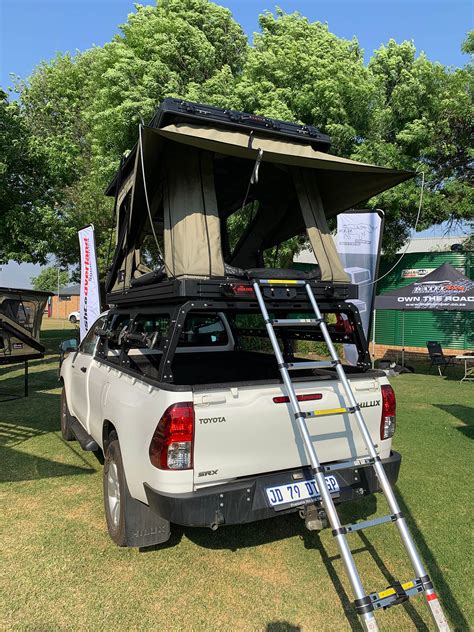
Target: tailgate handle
374, 386
205, 400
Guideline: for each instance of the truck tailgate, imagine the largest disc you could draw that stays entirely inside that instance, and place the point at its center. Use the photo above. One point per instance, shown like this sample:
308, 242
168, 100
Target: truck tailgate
241, 431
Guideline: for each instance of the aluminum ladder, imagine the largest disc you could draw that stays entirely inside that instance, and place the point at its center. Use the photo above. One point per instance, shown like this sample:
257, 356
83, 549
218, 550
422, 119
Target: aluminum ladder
365, 604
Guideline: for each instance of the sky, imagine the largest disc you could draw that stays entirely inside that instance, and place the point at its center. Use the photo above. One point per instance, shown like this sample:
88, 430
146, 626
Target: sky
34, 30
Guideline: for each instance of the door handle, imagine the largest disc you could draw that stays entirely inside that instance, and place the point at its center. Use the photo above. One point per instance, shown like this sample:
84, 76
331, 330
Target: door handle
83, 369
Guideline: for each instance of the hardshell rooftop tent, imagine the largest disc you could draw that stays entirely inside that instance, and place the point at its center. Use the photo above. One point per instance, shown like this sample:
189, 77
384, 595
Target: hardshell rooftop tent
195, 166
21, 313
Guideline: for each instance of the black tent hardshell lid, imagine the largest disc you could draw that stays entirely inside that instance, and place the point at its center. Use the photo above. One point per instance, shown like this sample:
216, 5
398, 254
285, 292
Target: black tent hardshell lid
192, 173
443, 289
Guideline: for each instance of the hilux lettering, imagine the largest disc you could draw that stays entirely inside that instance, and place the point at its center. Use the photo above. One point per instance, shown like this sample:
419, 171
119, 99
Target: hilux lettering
212, 420
374, 402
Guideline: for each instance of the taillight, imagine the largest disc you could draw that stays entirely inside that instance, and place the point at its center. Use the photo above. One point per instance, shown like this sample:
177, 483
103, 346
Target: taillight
343, 324
241, 290
389, 409
284, 399
171, 447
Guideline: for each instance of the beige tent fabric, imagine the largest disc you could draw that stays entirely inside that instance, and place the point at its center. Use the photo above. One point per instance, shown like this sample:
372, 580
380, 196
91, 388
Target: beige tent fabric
250, 243
178, 163
192, 233
342, 183
317, 227
288, 152
125, 188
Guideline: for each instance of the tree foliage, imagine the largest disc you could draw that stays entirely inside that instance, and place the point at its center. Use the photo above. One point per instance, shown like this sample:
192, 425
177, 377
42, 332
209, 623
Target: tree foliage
27, 226
161, 50
48, 281
77, 115
422, 120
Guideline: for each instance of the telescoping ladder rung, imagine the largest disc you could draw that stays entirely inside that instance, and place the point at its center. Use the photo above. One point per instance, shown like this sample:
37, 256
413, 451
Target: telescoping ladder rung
317, 364
295, 322
364, 603
324, 412
365, 524
395, 594
280, 282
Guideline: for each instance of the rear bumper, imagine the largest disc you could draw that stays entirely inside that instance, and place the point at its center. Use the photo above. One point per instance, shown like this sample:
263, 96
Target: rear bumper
245, 500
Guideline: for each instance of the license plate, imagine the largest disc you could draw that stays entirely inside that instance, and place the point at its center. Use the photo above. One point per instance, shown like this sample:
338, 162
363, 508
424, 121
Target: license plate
297, 493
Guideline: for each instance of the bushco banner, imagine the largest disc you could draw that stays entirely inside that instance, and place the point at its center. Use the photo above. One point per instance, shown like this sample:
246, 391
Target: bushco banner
359, 240
90, 295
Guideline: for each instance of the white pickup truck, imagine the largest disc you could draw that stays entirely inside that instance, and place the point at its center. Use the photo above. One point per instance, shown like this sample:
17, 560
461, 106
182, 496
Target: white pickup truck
216, 445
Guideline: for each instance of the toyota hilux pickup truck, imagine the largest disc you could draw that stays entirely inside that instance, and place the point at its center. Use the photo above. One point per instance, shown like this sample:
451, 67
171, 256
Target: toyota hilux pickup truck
213, 442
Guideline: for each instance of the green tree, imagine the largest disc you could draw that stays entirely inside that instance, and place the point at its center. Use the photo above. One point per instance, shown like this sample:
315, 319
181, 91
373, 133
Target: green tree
298, 70
468, 44
160, 52
421, 120
48, 281
78, 114
81, 112
27, 227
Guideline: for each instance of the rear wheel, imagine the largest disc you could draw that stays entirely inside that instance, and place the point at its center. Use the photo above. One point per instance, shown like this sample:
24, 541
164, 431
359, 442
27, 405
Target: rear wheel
73, 319
129, 521
66, 432
115, 492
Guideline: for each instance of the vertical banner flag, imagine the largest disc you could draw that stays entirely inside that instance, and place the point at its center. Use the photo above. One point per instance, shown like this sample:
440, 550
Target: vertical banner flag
90, 295
359, 240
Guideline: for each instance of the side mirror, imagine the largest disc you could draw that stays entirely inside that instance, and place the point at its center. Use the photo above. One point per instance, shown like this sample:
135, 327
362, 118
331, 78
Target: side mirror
66, 346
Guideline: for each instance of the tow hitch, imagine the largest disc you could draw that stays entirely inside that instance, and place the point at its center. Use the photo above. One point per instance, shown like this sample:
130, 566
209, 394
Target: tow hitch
315, 518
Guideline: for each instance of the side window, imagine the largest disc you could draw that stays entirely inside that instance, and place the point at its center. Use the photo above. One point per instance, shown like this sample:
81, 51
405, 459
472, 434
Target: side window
145, 356
117, 325
203, 330
152, 323
89, 343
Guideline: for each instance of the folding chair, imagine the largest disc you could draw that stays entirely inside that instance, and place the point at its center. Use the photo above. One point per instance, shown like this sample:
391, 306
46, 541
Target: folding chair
437, 357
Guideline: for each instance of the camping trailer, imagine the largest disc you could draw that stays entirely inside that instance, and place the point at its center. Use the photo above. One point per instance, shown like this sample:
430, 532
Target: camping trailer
21, 313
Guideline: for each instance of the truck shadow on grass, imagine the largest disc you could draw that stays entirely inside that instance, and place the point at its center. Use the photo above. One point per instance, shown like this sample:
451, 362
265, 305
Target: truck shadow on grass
27, 419
283, 527
447, 598
465, 414
282, 626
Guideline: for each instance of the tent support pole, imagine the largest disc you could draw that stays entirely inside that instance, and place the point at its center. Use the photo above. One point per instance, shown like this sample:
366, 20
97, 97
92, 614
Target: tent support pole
373, 339
403, 337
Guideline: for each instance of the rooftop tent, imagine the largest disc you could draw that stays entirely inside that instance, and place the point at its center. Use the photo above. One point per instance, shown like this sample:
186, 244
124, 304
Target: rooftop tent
198, 175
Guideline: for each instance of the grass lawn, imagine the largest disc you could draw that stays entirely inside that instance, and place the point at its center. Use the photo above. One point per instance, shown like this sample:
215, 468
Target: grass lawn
60, 571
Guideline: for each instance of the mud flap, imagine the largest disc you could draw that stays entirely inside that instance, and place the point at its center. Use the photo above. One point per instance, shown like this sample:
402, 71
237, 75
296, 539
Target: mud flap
143, 526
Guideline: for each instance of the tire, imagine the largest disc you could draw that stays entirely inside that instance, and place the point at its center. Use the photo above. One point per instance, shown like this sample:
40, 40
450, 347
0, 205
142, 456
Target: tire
129, 522
115, 494
66, 432
73, 319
